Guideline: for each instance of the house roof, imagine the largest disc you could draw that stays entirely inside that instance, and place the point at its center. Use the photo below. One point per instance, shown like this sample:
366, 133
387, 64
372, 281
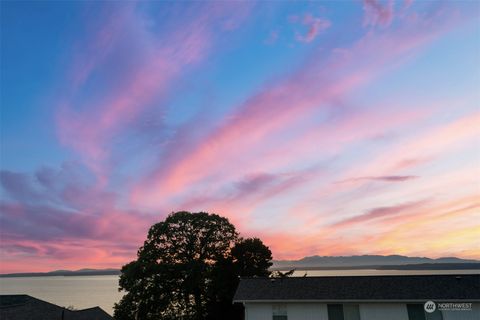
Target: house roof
358, 288
13, 299
22, 306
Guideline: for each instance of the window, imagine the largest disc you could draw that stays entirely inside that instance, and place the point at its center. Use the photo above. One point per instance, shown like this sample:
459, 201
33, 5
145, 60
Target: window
343, 312
279, 312
335, 312
415, 312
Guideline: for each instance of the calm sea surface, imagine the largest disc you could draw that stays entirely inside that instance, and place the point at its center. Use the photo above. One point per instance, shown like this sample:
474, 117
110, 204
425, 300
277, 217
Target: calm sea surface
80, 292
89, 291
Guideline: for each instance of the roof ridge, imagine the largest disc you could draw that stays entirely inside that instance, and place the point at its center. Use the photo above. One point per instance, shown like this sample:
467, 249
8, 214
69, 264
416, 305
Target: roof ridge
369, 276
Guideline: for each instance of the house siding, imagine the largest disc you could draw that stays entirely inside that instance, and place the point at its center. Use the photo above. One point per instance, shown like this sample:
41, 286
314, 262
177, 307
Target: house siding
296, 311
368, 311
258, 311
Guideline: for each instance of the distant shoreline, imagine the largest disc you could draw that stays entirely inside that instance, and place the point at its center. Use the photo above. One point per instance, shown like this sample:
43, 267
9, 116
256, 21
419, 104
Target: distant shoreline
66, 273
420, 266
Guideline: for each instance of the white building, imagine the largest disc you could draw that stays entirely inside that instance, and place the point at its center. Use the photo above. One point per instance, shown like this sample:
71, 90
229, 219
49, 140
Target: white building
361, 298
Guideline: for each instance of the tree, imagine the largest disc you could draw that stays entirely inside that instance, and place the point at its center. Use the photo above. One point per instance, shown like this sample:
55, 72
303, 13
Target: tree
252, 258
248, 258
188, 268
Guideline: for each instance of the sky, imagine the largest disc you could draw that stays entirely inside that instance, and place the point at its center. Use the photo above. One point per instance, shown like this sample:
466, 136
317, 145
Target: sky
321, 127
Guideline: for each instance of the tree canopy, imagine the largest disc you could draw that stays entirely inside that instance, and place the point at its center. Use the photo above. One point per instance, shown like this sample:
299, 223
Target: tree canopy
188, 268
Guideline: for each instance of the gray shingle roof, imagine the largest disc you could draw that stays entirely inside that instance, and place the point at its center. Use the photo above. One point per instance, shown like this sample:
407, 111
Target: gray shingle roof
351, 288
13, 299
25, 307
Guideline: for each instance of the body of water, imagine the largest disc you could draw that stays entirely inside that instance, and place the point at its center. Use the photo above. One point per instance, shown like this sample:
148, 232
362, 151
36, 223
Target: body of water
78, 291
89, 291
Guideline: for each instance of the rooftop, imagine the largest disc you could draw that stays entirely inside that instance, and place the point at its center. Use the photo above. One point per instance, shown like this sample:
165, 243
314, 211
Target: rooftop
357, 288
25, 307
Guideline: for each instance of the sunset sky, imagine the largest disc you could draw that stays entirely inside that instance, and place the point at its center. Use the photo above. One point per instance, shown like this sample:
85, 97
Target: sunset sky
324, 128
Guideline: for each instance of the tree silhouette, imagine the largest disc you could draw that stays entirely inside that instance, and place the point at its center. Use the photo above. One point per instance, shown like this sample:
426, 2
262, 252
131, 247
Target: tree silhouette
248, 258
252, 258
189, 268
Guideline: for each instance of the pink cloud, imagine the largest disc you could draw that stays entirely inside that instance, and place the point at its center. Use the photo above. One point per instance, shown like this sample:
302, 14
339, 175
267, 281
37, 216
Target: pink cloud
377, 13
68, 222
440, 209
315, 27
280, 105
89, 54
444, 223
293, 245
432, 143
72, 238
379, 212
381, 178
238, 201
398, 159
32, 256
91, 130
266, 115
279, 144
394, 227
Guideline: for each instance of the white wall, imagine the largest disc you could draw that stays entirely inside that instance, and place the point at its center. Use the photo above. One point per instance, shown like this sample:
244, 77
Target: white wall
296, 311
368, 311
317, 311
383, 311
258, 311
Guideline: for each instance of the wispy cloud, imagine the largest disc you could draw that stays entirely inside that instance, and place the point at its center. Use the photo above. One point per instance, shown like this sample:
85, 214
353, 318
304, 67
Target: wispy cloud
63, 213
380, 212
315, 26
377, 13
161, 109
381, 178
269, 112
148, 73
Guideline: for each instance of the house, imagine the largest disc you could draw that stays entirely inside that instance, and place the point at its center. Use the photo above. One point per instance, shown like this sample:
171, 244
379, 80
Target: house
422, 297
25, 307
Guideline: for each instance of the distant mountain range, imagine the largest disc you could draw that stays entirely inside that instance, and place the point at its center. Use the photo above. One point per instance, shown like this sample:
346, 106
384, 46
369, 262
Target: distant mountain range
392, 262
65, 273
362, 262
